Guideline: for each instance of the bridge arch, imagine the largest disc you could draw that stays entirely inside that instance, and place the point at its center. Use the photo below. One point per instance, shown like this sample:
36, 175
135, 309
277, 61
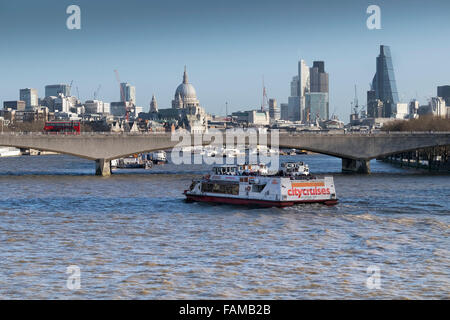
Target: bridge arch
383, 155
56, 150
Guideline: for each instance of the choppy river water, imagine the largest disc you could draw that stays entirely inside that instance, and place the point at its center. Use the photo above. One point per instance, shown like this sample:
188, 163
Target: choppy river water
132, 236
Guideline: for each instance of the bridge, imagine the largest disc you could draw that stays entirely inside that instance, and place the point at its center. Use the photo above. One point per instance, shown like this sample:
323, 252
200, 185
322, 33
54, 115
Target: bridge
355, 150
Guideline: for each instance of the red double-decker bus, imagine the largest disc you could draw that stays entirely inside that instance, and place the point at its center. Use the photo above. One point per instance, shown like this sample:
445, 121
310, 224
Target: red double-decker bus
62, 127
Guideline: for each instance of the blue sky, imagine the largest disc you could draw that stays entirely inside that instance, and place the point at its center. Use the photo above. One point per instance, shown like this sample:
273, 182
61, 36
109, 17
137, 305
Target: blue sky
227, 46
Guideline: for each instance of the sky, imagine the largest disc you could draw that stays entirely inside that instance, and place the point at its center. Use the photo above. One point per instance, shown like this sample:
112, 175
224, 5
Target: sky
227, 46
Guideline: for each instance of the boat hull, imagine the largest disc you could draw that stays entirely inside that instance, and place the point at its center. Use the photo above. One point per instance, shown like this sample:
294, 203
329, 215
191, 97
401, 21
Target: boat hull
254, 202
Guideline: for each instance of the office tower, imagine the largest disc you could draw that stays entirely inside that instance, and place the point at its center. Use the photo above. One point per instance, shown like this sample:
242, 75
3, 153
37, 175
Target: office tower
303, 78
304, 86
129, 93
294, 101
318, 84
383, 83
274, 110
444, 92
295, 87
55, 90
30, 96
301, 85
318, 77
316, 106
284, 115
294, 112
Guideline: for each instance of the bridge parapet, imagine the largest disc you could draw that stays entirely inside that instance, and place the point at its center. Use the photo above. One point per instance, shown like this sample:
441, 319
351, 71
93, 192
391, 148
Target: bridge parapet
104, 147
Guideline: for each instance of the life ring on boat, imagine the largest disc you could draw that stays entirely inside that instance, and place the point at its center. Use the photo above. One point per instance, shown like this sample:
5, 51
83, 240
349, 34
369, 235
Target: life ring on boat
248, 188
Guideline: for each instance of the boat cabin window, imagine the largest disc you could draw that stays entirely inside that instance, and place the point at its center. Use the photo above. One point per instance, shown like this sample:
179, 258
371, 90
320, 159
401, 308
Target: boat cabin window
226, 188
258, 187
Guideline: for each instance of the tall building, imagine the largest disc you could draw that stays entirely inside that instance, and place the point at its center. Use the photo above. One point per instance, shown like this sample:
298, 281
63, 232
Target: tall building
444, 92
54, 90
304, 86
300, 85
294, 109
383, 83
317, 105
30, 96
318, 77
274, 110
295, 87
303, 78
293, 113
129, 93
284, 114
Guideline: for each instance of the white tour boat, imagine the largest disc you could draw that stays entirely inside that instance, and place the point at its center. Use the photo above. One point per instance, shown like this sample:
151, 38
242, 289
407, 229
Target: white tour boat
159, 157
9, 152
132, 162
252, 184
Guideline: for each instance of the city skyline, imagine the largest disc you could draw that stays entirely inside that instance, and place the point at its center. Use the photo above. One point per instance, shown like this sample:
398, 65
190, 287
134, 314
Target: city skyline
222, 67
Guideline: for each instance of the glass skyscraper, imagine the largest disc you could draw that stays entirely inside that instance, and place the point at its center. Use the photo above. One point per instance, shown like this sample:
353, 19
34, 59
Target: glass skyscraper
444, 92
383, 83
55, 89
316, 106
30, 96
129, 92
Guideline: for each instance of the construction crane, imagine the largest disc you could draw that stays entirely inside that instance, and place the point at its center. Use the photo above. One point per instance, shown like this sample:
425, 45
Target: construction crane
122, 95
356, 105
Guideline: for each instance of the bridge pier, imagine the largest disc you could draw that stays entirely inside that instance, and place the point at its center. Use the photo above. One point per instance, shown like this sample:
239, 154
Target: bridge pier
355, 166
102, 167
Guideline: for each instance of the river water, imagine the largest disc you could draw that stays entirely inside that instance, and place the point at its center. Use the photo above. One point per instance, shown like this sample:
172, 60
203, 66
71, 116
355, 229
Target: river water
132, 236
